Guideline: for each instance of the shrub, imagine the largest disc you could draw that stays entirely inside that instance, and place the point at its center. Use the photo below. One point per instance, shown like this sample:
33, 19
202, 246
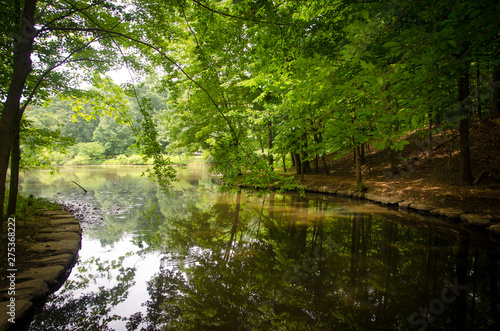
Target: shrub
79, 160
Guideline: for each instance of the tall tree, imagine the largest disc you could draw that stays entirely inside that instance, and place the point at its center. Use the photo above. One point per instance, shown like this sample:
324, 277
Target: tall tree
63, 33
10, 119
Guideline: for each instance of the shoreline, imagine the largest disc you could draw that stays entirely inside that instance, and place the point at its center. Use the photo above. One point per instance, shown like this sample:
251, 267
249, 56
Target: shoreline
475, 221
54, 254
51, 259
455, 215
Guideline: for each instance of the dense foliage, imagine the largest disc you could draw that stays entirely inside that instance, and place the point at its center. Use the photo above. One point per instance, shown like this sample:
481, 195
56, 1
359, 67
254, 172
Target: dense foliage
258, 81
101, 125
256, 84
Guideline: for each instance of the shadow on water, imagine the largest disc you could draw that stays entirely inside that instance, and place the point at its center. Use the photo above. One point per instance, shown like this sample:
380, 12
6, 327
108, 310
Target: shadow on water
199, 259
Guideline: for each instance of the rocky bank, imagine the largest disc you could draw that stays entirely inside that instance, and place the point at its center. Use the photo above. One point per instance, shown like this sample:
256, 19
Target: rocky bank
49, 261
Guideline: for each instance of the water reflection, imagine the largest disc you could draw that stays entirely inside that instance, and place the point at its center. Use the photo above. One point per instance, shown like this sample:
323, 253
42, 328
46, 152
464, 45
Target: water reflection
73, 308
211, 260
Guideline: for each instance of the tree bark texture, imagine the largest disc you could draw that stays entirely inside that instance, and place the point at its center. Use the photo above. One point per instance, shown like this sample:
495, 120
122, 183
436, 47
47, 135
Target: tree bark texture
15, 159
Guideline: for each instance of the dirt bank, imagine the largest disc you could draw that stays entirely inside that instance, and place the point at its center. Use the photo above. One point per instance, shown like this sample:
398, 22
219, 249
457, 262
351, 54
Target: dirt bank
428, 183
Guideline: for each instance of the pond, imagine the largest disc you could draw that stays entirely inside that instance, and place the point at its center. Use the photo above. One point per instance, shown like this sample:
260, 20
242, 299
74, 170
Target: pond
200, 259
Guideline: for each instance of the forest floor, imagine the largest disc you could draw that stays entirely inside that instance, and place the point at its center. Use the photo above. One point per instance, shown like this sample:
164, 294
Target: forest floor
430, 180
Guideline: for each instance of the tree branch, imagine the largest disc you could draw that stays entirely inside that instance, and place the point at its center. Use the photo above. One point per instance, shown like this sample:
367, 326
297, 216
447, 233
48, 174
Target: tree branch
157, 49
71, 12
237, 17
50, 69
80, 186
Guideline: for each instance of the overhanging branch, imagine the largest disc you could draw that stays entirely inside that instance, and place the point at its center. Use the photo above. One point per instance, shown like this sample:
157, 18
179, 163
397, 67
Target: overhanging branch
162, 53
50, 69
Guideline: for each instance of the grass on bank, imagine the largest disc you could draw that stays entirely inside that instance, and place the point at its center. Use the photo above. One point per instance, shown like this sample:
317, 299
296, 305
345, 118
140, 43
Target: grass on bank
29, 219
28, 212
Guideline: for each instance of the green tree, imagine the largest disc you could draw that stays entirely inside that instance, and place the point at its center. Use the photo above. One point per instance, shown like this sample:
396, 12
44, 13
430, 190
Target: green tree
56, 114
64, 33
38, 143
116, 138
91, 150
248, 81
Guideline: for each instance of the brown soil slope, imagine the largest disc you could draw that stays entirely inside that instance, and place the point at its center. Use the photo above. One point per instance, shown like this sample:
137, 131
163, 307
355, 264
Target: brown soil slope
431, 180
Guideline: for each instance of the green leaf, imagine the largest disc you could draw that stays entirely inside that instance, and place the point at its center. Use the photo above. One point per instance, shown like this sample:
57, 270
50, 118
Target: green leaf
452, 43
391, 44
365, 14
414, 120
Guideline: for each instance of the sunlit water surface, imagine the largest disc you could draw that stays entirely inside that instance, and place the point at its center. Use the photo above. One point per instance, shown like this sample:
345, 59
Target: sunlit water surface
200, 259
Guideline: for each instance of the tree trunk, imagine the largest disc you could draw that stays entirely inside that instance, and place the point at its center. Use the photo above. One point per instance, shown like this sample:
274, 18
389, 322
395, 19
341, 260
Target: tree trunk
369, 156
270, 143
4, 165
14, 175
465, 159
298, 163
430, 145
306, 167
325, 165
393, 161
302, 172
362, 155
357, 150
495, 107
464, 141
478, 95
11, 117
319, 139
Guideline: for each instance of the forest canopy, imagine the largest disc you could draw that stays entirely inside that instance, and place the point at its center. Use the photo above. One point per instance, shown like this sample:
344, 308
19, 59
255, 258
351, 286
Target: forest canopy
255, 84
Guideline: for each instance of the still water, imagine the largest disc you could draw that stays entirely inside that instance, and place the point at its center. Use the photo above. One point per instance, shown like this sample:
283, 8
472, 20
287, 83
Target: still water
200, 259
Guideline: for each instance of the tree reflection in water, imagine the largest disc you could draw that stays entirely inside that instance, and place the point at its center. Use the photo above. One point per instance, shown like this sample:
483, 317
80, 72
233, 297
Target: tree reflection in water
262, 269
280, 262
70, 310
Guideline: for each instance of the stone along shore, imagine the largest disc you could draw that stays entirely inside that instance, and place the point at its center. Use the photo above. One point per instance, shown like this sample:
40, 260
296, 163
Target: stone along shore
49, 261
